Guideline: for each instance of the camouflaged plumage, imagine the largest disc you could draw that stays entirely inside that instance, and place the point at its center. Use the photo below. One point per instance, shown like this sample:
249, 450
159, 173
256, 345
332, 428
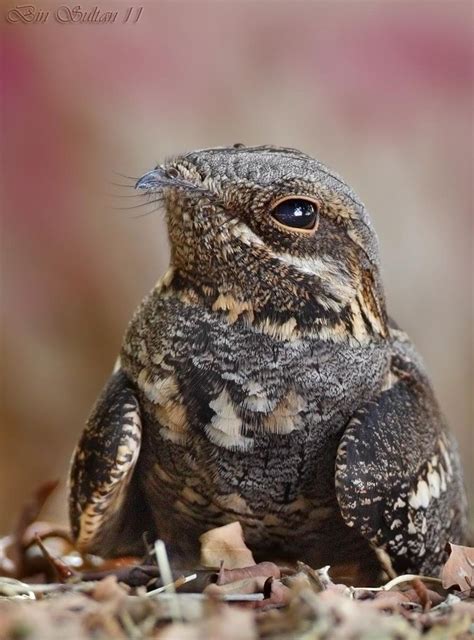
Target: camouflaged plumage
262, 381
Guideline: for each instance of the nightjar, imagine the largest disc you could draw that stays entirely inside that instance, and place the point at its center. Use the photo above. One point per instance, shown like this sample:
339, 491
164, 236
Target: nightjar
262, 381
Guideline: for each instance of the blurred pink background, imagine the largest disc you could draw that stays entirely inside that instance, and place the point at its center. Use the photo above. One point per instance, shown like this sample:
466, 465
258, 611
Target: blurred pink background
380, 91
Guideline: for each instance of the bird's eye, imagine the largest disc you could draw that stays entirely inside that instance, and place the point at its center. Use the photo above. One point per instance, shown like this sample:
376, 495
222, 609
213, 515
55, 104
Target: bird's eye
297, 213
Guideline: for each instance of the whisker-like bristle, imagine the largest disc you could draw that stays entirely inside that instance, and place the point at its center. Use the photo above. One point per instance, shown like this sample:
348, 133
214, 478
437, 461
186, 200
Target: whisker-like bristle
122, 175
121, 195
137, 206
126, 186
147, 213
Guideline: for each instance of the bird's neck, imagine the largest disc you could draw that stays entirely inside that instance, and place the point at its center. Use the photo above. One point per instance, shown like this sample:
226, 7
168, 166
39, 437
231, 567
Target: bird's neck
280, 303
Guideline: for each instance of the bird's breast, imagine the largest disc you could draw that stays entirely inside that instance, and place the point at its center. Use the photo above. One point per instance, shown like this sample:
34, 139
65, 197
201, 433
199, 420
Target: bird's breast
241, 425
240, 396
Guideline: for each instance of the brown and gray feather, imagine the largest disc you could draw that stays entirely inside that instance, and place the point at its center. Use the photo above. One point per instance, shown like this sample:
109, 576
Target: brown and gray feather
262, 381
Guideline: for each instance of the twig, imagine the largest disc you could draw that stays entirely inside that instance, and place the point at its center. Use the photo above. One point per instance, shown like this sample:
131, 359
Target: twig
135, 576
408, 577
177, 583
167, 578
62, 571
422, 593
242, 597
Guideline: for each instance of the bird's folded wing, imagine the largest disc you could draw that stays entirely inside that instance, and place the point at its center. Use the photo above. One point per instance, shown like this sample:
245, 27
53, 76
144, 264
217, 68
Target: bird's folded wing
397, 472
106, 510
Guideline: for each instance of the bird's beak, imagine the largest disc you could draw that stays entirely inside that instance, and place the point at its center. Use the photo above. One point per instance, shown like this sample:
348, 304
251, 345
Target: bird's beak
160, 178
155, 179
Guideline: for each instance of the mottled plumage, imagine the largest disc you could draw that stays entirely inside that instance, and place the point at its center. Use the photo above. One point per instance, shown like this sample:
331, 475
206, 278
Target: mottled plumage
262, 381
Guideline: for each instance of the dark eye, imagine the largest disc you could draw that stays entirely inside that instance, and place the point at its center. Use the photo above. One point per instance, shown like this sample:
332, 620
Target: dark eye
296, 213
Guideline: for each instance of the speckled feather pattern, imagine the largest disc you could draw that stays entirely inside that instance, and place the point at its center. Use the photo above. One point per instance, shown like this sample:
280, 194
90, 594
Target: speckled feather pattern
282, 476
269, 385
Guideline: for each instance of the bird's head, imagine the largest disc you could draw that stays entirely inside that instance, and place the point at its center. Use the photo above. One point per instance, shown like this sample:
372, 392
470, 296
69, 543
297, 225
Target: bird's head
270, 236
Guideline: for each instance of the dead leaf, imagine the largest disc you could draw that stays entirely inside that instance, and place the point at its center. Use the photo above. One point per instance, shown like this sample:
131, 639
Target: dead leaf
133, 575
459, 569
275, 593
387, 601
225, 544
465, 608
320, 579
226, 622
265, 569
247, 585
434, 597
47, 530
12, 551
109, 590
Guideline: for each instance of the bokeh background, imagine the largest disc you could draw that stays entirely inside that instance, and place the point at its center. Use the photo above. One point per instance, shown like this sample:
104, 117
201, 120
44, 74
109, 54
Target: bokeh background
381, 91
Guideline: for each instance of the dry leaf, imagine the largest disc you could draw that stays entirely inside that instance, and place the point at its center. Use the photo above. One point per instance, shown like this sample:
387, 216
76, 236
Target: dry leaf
434, 597
265, 569
387, 600
299, 582
465, 608
320, 579
225, 544
459, 569
46, 531
109, 590
247, 585
12, 548
226, 622
276, 593
133, 575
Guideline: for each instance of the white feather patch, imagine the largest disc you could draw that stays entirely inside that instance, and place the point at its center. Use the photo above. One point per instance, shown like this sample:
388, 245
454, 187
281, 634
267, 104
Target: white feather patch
225, 427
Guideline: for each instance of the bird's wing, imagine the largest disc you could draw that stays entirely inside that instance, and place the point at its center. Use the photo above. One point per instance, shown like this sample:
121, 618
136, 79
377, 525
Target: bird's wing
398, 479
107, 512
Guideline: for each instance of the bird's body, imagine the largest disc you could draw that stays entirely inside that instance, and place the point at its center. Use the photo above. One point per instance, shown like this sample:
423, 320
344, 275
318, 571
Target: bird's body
262, 381
269, 464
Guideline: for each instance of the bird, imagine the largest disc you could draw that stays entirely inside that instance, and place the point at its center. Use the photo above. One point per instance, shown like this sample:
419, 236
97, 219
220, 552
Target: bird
262, 381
